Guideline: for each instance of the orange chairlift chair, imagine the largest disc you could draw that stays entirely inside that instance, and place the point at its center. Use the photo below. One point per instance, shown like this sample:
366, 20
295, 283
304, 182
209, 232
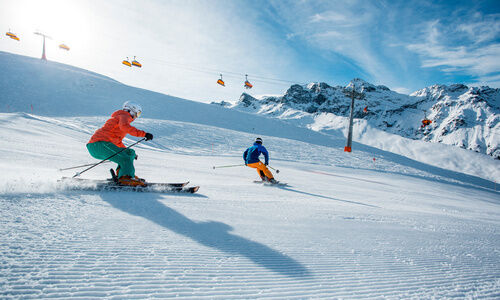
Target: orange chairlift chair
220, 81
425, 121
247, 85
64, 47
135, 63
12, 35
126, 62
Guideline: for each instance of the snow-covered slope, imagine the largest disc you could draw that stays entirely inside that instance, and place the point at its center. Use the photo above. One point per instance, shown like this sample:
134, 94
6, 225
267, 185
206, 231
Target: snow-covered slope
461, 116
347, 226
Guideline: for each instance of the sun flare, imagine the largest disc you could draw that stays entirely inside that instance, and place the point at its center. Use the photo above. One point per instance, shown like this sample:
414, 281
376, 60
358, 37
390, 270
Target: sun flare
64, 22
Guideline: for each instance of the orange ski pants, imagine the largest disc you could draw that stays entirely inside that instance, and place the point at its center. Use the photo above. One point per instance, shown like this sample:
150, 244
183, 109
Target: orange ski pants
261, 169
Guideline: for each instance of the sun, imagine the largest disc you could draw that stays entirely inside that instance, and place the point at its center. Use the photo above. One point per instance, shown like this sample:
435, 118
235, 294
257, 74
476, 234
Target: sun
63, 21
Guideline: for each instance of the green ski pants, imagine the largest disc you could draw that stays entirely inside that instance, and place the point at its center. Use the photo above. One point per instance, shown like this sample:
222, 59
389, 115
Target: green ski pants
125, 159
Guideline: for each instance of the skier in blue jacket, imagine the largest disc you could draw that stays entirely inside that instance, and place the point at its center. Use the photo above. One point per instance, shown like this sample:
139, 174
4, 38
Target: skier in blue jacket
251, 158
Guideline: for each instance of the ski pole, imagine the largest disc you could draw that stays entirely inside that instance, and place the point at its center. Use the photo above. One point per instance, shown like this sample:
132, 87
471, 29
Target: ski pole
277, 171
70, 168
80, 173
230, 166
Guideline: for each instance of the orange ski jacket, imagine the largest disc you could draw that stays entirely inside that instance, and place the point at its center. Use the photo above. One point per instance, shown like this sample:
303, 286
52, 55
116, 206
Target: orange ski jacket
116, 128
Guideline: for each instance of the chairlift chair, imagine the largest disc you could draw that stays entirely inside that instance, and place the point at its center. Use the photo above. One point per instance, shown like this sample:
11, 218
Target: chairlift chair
220, 81
425, 121
126, 62
135, 63
247, 85
64, 47
12, 36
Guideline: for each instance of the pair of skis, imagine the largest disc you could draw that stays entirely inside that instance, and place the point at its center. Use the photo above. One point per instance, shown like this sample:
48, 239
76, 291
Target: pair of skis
277, 183
113, 185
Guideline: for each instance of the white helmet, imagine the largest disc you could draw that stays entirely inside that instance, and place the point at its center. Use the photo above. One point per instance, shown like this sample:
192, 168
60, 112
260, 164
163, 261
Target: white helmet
134, 108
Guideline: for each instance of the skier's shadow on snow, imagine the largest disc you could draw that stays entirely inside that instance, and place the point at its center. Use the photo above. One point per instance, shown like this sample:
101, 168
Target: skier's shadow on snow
210, 234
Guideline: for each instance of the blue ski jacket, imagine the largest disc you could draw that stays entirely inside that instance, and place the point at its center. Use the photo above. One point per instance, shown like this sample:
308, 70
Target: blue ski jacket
252, 154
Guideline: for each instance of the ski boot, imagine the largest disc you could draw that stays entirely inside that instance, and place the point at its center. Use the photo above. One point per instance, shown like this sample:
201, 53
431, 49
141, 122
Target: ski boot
127, 180
262, 176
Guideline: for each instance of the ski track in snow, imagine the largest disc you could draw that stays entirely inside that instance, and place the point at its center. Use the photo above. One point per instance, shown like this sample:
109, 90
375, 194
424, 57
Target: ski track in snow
345, 227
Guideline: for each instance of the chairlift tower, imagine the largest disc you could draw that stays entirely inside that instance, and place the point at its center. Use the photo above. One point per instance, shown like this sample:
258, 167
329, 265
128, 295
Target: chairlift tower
44, 57
353, 94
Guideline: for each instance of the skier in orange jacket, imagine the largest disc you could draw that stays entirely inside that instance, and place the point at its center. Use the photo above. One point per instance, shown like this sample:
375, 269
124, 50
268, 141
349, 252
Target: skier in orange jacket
107, 141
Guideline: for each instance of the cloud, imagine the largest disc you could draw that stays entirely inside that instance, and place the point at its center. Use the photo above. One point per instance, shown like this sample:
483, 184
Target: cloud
341, 29
344, 16
329, 16
469, 48
330, 34
482, 29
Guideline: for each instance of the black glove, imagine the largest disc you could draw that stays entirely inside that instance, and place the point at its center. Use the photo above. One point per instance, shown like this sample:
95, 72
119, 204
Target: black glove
266, 163
149, 136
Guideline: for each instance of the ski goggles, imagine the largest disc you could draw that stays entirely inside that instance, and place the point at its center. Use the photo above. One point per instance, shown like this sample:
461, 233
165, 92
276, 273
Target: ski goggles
138, 114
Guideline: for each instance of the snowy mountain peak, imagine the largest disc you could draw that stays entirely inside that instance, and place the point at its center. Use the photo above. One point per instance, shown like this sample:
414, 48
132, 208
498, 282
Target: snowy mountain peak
317, 86
359, 83
363, 86
467, 117
439, 90
461, 92
246, 99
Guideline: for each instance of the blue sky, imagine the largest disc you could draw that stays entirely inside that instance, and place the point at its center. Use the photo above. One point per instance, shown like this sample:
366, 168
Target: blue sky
185, 45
